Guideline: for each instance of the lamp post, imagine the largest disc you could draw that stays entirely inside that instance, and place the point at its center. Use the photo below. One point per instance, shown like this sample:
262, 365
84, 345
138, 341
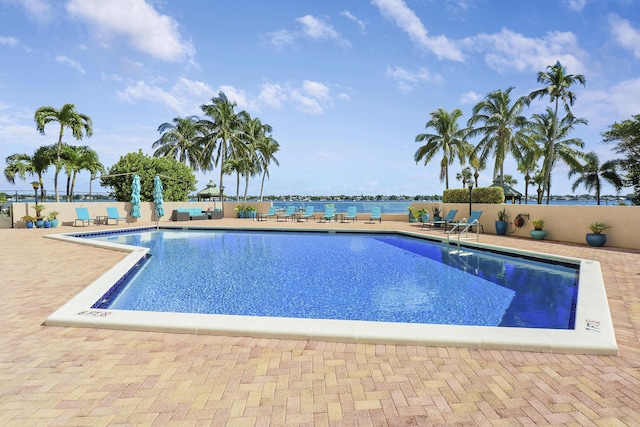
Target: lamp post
470, 184
222, 198
35, 185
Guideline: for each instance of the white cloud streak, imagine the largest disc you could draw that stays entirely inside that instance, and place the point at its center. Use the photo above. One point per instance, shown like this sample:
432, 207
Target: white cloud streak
361, 24
146, 29
408, 80
70, 62
398, 12
625, 34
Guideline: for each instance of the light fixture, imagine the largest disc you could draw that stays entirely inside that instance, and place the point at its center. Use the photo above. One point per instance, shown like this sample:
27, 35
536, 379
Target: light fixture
35, 185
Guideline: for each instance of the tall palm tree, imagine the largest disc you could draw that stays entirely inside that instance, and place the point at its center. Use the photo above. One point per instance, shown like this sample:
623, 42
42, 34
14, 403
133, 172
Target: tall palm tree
254, 131
447, 138
19, 165
180, 141
221, 136
67, 116
557, 87
592, 174
267, 148
502, 129
528, 166
552, 137
80, 158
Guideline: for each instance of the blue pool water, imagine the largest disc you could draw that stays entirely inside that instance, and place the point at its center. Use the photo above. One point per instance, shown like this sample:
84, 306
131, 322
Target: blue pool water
348, 276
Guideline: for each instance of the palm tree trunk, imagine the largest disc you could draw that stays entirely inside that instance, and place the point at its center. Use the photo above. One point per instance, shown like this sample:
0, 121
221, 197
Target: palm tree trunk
262, 185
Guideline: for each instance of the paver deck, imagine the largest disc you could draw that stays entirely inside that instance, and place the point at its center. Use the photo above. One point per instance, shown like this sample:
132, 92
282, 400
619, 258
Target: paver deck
77, 376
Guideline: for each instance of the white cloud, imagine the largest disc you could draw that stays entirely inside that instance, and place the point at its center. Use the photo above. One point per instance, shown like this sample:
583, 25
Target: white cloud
406, 19
40, 11
243, 101
184, 97
470, 98
407, 80
70, 62
576, 5
316, 28
9, 41
316, 89
604, 106
282, 38
510, 50
625, 34
272, 94
361, 24
147, 30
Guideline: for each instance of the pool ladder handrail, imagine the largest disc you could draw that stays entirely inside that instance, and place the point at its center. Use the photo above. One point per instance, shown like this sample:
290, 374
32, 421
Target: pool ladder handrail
464, 227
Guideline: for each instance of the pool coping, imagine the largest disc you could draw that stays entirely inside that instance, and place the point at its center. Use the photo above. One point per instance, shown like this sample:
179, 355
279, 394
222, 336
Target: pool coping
593, 333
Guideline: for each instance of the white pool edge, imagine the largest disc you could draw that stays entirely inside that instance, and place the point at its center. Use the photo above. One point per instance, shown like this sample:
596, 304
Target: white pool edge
593, 333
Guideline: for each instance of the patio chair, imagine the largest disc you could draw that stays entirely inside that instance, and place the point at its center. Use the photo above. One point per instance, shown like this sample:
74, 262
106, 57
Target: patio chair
445, 222
308, 213
375, 214
264, 216
351, 214
112, 213
473, 221
329, 214
83, 216
289, 214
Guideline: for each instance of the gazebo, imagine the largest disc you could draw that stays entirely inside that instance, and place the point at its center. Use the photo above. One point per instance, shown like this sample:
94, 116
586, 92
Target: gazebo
509, 192
210, 192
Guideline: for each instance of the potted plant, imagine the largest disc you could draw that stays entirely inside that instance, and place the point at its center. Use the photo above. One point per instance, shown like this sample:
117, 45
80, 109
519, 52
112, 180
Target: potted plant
436, 216
414, 214
596, 238
538, 233
29, 220
502, 223
424, 215
249, 211
53, 218
39, 218
240, 211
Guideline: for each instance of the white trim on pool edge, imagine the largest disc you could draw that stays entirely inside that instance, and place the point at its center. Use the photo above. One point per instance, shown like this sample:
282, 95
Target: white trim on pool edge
593, 333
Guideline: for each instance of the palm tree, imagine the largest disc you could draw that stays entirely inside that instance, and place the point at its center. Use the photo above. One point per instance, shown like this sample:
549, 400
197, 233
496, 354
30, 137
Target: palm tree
267, 148
528, 166
465, 176
502, 129
558, 83
254, 132
448, 139
221, 136
592, 174
22, 164
80, 158
179, 140
67, 117
552, 136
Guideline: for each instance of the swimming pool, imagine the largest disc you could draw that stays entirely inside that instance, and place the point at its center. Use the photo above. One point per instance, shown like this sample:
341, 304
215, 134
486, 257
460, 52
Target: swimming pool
592, 330
342, 276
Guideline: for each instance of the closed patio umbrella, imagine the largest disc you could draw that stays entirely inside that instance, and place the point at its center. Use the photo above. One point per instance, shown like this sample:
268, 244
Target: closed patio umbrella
135, 197
157, 196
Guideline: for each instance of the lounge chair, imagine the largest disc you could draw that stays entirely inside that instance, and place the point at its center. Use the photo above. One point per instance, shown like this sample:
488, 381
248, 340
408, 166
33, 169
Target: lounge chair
445, 222
112, 213
351, 214
289, 214
83, 216
308, 213
375, 214
473, 221
329, 214
264, 216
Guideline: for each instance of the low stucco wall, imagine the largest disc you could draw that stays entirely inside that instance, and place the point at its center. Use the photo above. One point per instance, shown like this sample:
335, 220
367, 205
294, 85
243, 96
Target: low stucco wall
564, 223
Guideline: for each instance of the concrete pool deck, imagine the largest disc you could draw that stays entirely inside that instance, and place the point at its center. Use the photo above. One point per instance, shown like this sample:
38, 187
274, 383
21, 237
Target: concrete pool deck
80, 376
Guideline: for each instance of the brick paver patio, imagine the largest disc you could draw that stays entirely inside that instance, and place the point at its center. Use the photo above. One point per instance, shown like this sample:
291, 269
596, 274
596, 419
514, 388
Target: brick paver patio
74, 376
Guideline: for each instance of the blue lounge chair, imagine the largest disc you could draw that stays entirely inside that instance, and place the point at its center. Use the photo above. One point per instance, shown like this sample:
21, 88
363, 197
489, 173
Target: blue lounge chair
351, 214
112, 213
264, 216
329, 214
289, 214
473, 221
308, 213
445, 222
375, 214
83, 216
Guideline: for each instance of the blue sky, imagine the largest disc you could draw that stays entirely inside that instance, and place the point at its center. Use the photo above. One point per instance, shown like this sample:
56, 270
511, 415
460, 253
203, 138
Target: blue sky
346, 85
